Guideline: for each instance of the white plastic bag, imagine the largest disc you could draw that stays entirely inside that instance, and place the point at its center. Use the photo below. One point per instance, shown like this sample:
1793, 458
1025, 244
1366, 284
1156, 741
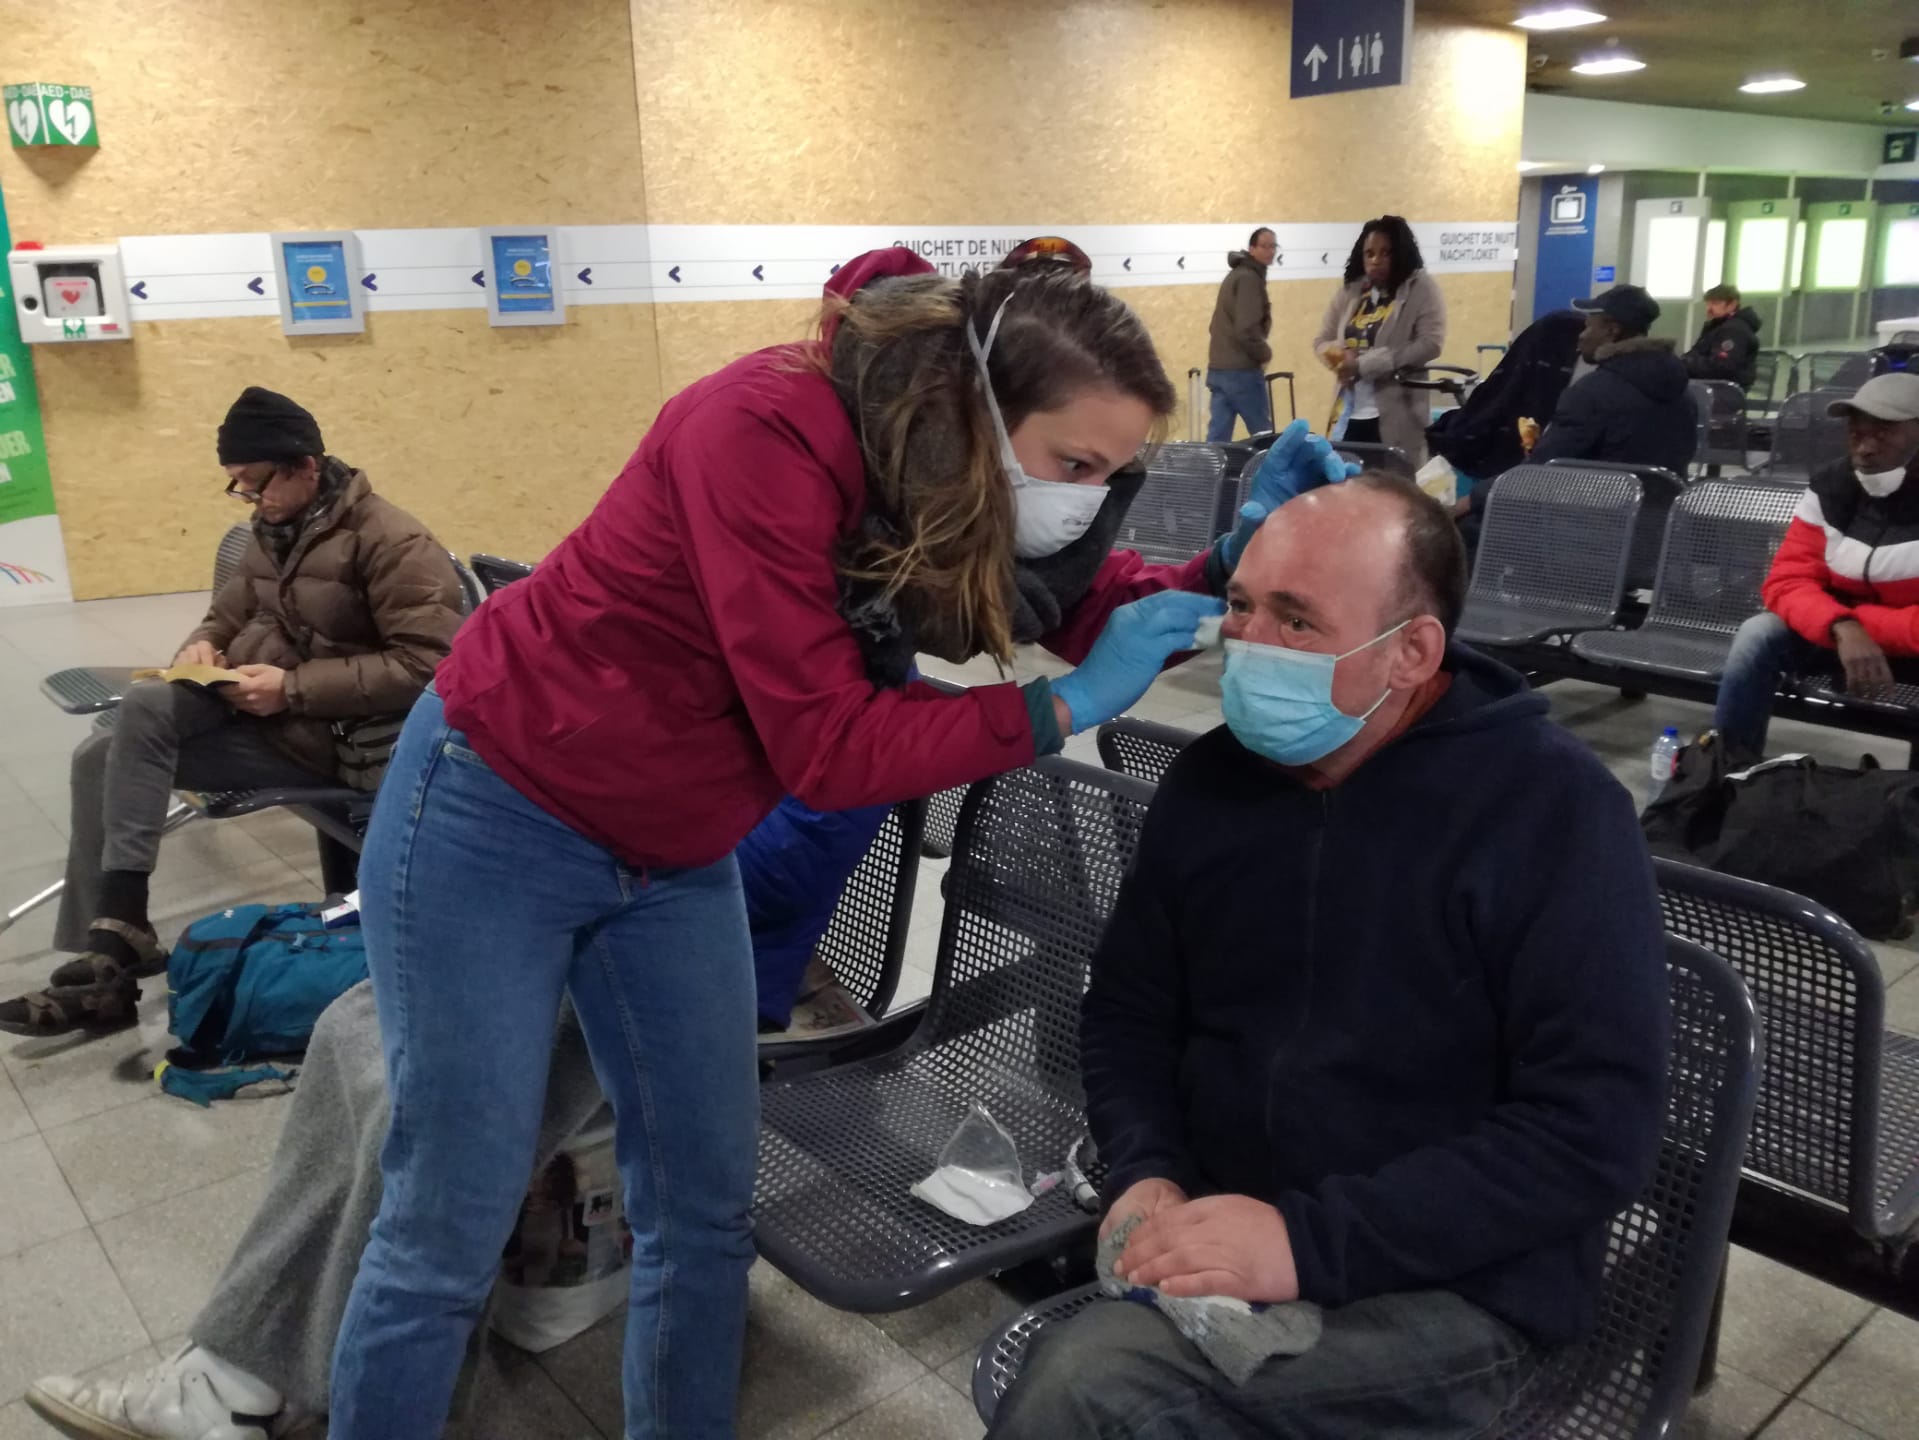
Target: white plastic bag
978, 1178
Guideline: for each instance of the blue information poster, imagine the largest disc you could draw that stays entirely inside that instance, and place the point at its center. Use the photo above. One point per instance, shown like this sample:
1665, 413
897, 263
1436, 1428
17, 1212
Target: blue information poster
523, 274
1564, 266
316, 280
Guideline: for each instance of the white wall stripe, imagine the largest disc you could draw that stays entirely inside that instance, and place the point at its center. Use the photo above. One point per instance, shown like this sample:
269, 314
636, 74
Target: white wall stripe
177, 277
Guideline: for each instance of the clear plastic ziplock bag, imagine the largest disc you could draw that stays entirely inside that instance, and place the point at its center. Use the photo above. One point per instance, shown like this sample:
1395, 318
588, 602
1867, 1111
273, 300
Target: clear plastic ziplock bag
978, 1179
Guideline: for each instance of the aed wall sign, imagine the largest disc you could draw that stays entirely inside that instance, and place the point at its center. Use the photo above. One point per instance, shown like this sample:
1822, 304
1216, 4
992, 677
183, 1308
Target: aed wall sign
51, 115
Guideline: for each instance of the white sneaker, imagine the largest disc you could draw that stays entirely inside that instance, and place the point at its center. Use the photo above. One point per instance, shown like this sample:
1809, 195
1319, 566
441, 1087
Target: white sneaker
194, 1395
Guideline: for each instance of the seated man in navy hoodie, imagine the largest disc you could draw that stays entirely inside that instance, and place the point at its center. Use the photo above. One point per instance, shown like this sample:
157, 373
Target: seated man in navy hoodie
1380, 1020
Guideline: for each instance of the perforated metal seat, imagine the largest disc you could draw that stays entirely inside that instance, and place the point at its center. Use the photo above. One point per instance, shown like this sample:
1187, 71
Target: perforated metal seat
1767, 365
1143, 749
1720, 540
865, 942
1389, 458
1658, 488
1720, 407
1176, 513
1037, 864
1631, 1378
1843, 370
1552, 554
90, 689
1837, 1120
1804, 437
1901, 700
495, 573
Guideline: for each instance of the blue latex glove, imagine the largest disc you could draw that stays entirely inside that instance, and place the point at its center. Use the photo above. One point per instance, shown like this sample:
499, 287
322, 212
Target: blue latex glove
1131, 651
1297, 462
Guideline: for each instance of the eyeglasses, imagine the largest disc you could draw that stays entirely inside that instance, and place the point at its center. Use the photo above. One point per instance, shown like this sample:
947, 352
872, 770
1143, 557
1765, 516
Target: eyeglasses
251, 496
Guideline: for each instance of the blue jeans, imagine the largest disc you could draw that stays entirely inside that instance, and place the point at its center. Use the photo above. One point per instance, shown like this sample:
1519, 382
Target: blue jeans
1242, 393
479, 910
1425, 1365
1764, 649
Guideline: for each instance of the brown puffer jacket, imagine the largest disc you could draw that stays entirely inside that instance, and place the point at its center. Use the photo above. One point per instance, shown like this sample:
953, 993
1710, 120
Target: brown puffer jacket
359, 616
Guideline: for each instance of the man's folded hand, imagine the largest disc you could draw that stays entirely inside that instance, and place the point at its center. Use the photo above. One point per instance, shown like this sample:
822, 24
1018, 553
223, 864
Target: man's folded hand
1223, 1245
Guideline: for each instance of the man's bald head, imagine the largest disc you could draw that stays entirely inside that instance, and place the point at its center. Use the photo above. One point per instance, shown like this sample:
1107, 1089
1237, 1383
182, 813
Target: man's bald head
1377, 536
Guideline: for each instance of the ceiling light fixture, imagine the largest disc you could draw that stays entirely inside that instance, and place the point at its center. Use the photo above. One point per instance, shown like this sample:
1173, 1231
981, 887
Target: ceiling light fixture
1773, 85
1566, 17
1595, 169
1526, 165
1608, 65
1913, 104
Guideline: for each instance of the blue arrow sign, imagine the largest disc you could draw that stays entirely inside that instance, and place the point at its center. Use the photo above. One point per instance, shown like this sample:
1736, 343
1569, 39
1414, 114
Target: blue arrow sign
674, 274
1182, 262
1127, 263
139, 289
479, 278
368, 279
256, 287
586, 276
759, 272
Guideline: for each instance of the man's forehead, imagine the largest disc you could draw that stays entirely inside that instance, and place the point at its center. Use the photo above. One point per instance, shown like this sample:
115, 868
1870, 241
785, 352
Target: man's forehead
1346, 532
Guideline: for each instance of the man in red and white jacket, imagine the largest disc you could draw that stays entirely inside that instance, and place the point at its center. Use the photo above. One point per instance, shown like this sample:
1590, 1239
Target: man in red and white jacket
1843, 593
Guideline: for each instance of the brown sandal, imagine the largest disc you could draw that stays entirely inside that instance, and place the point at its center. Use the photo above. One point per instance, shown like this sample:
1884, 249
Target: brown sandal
95, 968
64, 1009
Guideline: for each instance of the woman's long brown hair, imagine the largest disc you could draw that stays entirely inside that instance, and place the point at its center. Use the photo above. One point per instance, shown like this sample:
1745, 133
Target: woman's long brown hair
901, 362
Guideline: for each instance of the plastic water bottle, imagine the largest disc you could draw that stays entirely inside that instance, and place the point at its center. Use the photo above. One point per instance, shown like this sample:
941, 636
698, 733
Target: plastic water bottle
1665, 753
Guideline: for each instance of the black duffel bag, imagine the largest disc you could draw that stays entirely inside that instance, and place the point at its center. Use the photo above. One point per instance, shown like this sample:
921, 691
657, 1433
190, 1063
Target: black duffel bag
1848, 839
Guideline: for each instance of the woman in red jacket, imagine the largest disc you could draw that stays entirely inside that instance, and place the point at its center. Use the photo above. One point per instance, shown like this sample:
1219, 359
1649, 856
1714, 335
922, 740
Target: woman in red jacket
733, 621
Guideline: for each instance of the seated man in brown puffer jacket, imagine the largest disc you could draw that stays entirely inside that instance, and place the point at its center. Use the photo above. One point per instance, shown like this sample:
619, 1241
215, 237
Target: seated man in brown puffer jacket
335, 620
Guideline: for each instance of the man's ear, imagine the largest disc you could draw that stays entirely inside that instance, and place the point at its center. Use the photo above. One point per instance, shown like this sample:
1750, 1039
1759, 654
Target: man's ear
1422, 650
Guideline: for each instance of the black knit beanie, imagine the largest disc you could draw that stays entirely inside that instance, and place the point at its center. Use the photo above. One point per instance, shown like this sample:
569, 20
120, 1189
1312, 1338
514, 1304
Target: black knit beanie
265, 426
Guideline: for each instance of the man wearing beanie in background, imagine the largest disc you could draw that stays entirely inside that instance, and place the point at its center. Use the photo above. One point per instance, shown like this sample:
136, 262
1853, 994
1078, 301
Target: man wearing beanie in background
335, 619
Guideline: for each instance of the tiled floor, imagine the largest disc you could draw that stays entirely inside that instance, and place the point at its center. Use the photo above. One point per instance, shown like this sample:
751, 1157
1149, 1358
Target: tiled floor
118, 1206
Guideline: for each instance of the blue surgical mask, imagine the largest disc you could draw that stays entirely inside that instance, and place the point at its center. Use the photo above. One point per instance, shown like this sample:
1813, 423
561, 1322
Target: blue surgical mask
1279, 702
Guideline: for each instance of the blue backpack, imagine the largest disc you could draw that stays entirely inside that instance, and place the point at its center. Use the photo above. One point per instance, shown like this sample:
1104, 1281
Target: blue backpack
248, 983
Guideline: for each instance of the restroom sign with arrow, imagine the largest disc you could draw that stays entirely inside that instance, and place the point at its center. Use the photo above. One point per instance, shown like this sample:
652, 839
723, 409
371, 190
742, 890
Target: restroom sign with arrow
1341, 45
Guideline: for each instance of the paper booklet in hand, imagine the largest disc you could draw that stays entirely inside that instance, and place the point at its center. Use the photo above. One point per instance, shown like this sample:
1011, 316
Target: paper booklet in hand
193, 673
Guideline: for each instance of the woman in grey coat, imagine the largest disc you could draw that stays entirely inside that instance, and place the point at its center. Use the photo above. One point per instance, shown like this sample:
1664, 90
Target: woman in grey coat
1388, 315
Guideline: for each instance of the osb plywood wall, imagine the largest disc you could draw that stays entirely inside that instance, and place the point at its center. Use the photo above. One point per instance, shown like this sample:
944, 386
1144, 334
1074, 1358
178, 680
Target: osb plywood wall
253, 115
867, 111
500, 440
923, 112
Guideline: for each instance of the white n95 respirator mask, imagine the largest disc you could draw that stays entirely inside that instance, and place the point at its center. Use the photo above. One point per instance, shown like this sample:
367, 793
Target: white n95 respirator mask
1048, 515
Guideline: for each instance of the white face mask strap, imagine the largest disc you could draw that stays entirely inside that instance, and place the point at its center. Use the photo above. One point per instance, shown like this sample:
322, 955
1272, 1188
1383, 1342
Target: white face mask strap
1383, 635
981, 349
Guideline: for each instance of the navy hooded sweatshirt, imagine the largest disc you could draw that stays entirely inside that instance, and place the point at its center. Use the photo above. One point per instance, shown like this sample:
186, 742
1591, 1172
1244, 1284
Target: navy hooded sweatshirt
1423, 1013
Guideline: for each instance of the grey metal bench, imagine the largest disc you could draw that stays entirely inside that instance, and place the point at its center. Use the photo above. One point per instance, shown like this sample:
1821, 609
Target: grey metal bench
1720, 407
1631, 1378
1803, 437
1720, 539
1037, 864
1658, 488
1175, 516
1144, 749
1837, 1122
1552, 554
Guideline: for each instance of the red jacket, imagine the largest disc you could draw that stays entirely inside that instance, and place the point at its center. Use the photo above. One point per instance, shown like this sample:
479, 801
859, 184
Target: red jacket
1847, 555
679, 662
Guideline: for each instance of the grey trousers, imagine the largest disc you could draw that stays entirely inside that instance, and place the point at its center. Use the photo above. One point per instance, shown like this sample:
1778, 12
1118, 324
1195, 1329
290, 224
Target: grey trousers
166, 737
1425, 1365
276, 1309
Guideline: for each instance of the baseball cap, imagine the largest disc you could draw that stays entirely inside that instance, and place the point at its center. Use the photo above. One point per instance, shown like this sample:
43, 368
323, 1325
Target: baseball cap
1627, 305
1884, 397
